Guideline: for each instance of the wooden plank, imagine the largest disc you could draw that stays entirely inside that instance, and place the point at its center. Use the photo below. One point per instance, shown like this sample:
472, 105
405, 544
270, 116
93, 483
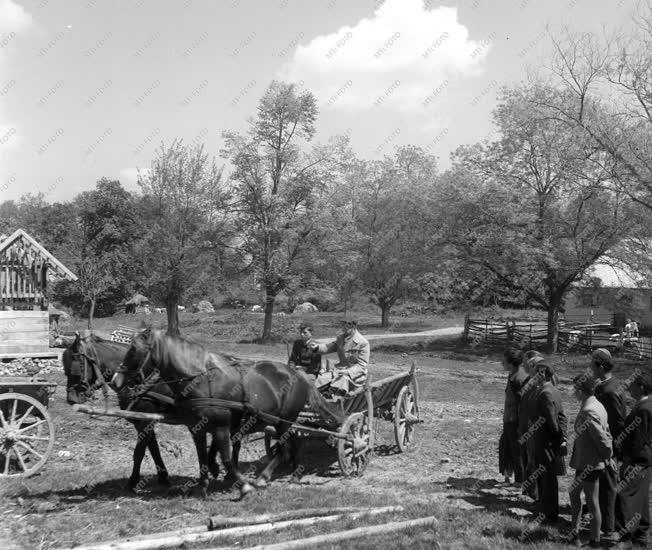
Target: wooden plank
52, 352
23, 314
26, 336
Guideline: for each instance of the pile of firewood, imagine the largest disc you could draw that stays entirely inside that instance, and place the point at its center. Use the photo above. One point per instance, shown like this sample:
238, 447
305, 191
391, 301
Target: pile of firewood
30, 367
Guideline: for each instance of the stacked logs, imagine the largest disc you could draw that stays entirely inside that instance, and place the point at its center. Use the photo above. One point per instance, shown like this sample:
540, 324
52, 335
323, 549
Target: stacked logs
30, 367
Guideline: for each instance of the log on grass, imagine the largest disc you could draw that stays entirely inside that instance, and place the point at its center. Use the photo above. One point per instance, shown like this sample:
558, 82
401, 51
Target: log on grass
128, 415
173, 539
339, 536
221, 522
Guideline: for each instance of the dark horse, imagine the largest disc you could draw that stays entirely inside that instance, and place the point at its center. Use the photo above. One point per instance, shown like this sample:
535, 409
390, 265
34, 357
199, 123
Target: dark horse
89, 363
223, 395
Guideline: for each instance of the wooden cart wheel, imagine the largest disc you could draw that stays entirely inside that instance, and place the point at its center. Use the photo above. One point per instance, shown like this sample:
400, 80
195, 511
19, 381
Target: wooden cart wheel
406, 416
354, 449
26, 435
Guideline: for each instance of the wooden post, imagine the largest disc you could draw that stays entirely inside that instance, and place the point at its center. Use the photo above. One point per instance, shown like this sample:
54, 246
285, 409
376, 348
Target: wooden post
465, 335
486, 329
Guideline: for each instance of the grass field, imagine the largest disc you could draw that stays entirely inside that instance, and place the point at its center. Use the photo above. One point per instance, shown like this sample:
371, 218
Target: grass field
451, 473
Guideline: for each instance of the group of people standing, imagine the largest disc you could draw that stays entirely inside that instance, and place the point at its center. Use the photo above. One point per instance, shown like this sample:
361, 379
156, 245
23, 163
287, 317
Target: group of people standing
533, 447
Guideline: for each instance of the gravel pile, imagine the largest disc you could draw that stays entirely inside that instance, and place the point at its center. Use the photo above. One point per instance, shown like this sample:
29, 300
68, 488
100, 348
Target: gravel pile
30, 367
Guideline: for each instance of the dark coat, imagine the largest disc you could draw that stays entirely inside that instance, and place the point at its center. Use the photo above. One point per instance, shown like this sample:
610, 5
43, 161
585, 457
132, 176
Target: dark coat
551, 432
610, 393
637, 435
303, 356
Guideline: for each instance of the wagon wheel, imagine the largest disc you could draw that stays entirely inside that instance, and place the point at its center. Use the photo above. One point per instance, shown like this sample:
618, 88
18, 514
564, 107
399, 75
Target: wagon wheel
26, 435
354, 448
406, 416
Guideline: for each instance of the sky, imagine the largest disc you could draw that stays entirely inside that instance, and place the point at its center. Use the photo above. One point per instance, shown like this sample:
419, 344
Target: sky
89, 89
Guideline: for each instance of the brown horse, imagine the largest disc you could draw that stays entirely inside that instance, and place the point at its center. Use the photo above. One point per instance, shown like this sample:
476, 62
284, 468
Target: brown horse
223, 395
89, 363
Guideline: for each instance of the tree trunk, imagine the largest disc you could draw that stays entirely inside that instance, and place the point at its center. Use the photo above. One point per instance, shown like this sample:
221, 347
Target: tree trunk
553, 322
173, 315
270, 296
385, 306
91, 312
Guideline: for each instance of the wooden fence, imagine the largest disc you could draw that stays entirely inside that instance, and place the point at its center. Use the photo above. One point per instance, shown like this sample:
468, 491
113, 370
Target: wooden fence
573, 337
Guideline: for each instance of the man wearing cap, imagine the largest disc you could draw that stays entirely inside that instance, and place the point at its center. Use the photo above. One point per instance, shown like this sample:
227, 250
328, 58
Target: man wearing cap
353, 351
610, 393
636, 471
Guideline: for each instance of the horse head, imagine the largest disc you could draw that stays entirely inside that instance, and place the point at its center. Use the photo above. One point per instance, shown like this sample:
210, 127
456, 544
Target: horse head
139, 363
80, 378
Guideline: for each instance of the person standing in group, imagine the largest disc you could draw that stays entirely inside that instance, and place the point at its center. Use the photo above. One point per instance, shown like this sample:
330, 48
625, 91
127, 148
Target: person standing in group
526, 409
610, 394
549, 443
510, 459
592, 451
637, 464
303, 356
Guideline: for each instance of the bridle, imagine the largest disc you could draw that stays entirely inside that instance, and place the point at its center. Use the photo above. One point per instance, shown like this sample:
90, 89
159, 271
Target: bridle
89, 363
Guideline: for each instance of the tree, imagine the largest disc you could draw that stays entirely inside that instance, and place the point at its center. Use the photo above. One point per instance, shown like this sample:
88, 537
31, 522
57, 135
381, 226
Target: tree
391, 211
94, 278
277, 187
532, 208
607, 84
184, 221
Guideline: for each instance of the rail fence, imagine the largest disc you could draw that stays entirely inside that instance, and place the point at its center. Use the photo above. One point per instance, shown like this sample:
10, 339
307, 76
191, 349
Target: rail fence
580, 337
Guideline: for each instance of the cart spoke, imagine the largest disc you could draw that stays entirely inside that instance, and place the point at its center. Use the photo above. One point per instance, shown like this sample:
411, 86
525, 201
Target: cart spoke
2, 419
14, 410
20, 459
30, 449
25, 415
34, 438
6, 469
32, 425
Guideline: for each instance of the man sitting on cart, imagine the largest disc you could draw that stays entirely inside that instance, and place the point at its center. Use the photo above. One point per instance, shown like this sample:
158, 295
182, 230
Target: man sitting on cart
303, 357
353, 351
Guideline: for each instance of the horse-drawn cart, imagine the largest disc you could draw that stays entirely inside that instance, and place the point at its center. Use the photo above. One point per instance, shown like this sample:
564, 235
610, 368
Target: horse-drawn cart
26, 429
394, 399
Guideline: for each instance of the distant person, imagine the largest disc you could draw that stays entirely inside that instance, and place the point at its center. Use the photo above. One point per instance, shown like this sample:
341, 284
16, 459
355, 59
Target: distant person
549, 443
303, 356
610, 393
592, 452
353, 351
510, 459
637, 464
628, 328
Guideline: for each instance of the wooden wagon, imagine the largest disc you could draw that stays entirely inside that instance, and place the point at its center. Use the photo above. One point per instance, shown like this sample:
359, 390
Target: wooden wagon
394, 399
26, 429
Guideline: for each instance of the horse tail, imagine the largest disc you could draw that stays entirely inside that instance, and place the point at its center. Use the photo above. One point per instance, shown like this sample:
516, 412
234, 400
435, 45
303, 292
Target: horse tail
320, 405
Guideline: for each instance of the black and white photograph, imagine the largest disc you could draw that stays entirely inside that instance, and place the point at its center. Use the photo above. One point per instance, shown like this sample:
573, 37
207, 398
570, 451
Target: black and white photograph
336, 274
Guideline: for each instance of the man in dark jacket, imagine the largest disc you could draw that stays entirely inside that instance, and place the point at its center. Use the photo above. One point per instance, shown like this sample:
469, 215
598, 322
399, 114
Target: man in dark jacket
303, 356
549, 443
612, 396
636, 470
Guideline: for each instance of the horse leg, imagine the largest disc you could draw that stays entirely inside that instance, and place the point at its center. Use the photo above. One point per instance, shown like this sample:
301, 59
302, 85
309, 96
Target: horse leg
235, 453
213, 466
139, 453
296, 452
264, 477
202, 456
223, 437
155, 452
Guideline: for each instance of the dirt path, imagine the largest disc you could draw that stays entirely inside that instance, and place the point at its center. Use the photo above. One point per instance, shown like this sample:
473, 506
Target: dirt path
448, 331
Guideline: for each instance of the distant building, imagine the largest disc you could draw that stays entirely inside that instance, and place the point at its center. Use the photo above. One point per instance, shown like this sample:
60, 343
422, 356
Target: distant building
26, 270
614, 296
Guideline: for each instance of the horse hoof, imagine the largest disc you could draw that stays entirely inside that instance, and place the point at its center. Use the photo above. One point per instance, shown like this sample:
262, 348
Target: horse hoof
214, 470
260, 483
245, 490
130, 488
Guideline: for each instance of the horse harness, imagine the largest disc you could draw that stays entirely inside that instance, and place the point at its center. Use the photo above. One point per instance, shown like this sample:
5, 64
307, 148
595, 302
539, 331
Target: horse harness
147, 383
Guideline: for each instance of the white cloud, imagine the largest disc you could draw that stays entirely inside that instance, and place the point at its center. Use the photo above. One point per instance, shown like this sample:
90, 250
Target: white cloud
13, 17
396, 58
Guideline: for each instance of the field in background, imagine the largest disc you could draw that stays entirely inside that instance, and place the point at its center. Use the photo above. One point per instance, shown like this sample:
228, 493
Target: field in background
452, 473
